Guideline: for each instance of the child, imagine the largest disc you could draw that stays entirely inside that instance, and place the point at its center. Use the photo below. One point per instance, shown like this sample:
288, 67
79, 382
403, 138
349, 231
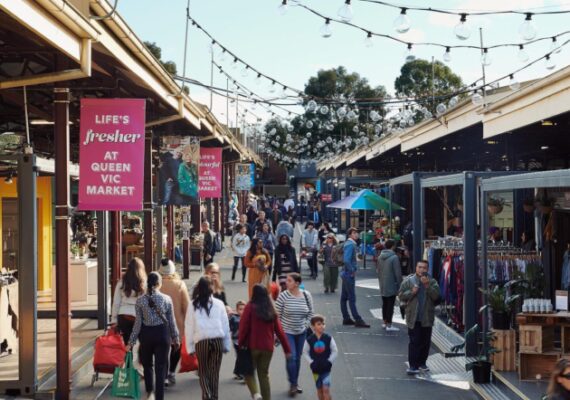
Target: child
234, 327
320, 352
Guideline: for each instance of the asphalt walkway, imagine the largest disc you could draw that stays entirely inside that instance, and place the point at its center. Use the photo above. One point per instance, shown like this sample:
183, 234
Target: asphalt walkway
370, 366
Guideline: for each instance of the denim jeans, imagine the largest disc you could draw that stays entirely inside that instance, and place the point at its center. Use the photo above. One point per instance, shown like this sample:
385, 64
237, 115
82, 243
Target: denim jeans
296, 343
348, 294
168, 192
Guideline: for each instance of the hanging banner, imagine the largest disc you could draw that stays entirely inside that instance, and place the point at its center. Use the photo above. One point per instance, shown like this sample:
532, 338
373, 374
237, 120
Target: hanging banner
210, 177
243, 177
252, 174
111, 154
178, 170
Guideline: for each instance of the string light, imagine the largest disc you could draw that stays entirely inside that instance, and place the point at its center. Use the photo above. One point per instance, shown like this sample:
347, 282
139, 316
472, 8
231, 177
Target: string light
258, 79
549, 62
514, 84
522, 55
345, 12
527, 30
462, 30
486, 58
282, 9
402, 23
326, 30
554, 48
447, 55
409, 54
477, 99
368, 42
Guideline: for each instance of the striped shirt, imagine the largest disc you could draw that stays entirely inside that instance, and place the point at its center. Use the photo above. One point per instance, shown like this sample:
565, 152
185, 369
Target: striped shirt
295, 313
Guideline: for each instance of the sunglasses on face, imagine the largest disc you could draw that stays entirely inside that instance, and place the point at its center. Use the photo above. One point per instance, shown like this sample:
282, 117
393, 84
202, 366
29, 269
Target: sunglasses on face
565, 376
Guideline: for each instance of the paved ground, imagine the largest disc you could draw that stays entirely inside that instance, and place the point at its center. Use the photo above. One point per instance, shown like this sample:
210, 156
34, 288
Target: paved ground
370, 365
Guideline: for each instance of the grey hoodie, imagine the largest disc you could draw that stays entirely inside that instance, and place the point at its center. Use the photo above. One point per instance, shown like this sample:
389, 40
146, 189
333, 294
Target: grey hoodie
389, 273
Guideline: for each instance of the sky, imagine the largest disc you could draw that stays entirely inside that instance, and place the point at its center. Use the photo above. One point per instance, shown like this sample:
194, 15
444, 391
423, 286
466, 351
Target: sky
289, 47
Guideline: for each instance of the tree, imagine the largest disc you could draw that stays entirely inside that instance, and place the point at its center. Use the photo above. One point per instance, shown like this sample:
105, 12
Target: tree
169, 66
415, 80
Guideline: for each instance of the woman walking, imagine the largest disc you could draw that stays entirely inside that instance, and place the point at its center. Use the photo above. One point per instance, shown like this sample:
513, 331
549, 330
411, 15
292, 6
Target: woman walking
156, 329
240, 245
295, 309
257, 260
330, 269
127, 292
285, 261
213, 271
174, 287
268, 239
207, 335
258, 326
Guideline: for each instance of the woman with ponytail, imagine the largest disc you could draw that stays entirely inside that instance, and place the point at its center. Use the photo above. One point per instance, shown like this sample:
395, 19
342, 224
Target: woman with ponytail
208, 335
156, 328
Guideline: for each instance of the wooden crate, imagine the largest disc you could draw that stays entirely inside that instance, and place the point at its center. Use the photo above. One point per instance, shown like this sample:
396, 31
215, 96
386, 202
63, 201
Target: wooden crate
505, 342
534, 367
536, 339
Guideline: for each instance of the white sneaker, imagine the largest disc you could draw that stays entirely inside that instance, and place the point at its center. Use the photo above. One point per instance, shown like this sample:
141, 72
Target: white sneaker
257, 396
392, 328
383, 325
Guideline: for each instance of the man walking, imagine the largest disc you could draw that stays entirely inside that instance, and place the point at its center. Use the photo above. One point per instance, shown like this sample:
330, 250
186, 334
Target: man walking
208, 249
310, 244
390, 278
419, 292
348, 276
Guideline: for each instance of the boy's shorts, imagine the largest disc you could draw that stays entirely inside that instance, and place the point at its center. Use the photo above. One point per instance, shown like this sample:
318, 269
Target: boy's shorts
323, 379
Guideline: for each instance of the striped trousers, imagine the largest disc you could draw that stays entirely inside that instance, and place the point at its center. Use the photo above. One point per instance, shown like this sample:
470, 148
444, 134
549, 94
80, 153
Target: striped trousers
209, 353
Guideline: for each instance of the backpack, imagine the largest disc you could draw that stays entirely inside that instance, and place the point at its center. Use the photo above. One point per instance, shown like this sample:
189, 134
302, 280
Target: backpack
338, 255
218, 242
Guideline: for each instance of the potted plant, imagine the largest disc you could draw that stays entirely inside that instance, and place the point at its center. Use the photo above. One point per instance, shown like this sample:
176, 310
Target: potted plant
480, 366
501, 304
495, 205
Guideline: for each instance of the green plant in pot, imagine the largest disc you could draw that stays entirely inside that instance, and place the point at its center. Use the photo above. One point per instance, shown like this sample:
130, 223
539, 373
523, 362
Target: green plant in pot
501, 304
495, 205
480, 365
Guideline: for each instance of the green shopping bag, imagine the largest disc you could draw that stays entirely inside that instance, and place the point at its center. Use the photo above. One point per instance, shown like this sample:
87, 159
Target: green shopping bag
126, 380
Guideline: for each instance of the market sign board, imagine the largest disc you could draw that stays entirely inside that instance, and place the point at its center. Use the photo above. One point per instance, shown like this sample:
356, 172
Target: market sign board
210, 175
111, 154
243, 177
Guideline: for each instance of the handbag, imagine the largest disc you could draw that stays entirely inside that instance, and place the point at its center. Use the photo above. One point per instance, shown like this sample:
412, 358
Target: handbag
188, 362
309, 331
244, 362
126, 380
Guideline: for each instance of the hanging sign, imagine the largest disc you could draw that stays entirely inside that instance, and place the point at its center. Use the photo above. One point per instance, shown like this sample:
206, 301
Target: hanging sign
210, 176
243, 177
178, 171
111, 154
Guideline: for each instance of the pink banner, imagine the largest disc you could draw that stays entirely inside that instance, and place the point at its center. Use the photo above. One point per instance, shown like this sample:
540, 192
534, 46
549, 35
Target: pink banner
111, 154
210, 173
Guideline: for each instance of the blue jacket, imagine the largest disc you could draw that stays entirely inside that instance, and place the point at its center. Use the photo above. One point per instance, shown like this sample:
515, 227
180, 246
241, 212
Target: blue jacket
350, 265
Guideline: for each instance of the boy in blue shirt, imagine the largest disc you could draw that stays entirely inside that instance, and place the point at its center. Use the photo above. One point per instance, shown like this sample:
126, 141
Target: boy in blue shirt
320, 351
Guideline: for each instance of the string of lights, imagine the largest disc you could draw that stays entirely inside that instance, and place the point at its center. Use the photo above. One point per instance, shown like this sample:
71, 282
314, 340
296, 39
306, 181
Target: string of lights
403, 25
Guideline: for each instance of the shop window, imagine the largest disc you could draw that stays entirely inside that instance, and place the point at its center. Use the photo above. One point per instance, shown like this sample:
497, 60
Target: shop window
10, 233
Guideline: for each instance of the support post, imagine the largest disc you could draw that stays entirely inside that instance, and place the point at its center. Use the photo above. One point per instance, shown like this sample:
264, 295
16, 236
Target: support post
196, 256
102, 269
159, 215
117, 248
186, 258
470, 258
417, 218
63, 320
217, 219
27, 274
485, 279
148, 205
170, 231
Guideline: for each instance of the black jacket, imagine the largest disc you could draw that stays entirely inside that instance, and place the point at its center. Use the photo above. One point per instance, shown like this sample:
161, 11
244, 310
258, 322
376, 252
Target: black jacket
290, 255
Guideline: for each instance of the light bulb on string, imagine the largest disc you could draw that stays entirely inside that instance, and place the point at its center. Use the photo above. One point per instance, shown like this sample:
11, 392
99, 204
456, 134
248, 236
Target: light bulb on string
402, 23
440, 109
368, 42
326, 30
462, 30
223, 56
549, 62
282, 9
486, 58
409, 54
527, 30
447, 55
258, 79
245, 71
235, 63
477, 99
555, 46
283, 93
272, 87
345, 12
453, 101
514, 84
522, 55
